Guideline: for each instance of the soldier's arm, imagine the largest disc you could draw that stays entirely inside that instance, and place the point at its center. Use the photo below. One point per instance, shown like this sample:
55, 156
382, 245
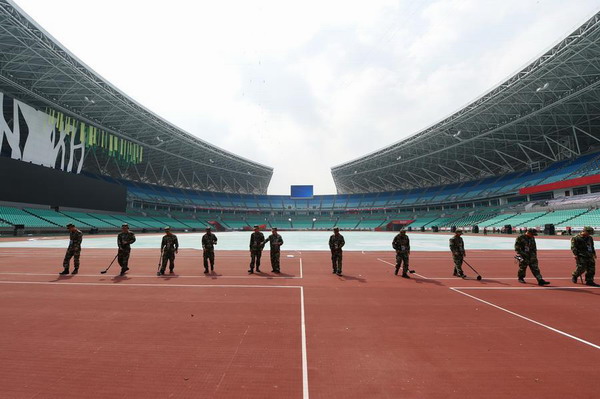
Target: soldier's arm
519, 247
132, 238
395, 244
176, 244
163, 243
77, 240
214, 240
342, 242
280, 240
331, 243
574, 246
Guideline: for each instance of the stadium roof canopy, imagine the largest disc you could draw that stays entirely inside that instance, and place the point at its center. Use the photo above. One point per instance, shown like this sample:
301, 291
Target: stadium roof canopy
36, 69
546, 112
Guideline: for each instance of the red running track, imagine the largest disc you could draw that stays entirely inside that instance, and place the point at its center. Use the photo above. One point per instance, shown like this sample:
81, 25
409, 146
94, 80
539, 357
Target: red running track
230, 335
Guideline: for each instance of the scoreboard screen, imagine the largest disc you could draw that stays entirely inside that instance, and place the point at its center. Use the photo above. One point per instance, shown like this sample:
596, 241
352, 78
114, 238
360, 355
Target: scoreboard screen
299, 192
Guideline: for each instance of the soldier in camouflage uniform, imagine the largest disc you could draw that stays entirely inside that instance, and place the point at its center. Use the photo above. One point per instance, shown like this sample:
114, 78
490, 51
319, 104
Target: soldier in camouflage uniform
74, 249
582, 246
401, 244
257, 240
336, 243
124, 241
526, 250
209, 240
457, 247
276, 242
168, 249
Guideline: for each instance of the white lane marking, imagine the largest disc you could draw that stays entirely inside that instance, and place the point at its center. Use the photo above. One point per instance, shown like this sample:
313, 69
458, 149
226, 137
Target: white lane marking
581, 287
124, 284
527, 318
496, 278
393, 264
304, 357
166, 276
301, 273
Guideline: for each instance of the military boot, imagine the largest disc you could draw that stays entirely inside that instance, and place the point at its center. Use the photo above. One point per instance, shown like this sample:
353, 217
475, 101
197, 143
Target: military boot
75, 271
65, 271
592, 284
542, 282
396, 272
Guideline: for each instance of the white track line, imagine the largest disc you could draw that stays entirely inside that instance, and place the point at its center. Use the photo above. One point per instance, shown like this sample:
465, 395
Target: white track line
495, 278
301, 273
255, 276
304, 357
581, 287
124, 284
527, 318
393, 264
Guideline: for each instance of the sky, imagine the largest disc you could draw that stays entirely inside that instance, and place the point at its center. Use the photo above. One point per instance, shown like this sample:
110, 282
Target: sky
302, 86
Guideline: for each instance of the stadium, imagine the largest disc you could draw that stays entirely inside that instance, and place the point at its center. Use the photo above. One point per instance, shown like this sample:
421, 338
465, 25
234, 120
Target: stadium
76, 149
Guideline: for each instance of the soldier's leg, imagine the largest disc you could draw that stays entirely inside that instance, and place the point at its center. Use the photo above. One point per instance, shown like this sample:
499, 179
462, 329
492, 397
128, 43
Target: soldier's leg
339, 267
252, 261
120, 257
405, 265
458, 260
278, 261
211, 257
398, 262
334, 261
579, 268
172, 262
590, 271
76, 256
163, 262
205, 258
66, 260
535, 270
258, 255
125, 262
273, 261
522, 269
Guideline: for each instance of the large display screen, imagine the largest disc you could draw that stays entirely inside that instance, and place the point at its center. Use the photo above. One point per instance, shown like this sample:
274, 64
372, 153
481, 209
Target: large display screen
32, 184
302, 191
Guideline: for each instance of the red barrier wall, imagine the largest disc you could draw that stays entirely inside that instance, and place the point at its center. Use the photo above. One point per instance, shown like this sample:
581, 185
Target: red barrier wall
580, 181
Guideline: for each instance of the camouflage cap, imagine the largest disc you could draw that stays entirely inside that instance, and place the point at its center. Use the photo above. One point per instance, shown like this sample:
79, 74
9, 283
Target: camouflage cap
167, 228
256, 226
273, 228
70, 225
125, 225
458, 231
532, 231
207, 229
336, 228
589, 229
